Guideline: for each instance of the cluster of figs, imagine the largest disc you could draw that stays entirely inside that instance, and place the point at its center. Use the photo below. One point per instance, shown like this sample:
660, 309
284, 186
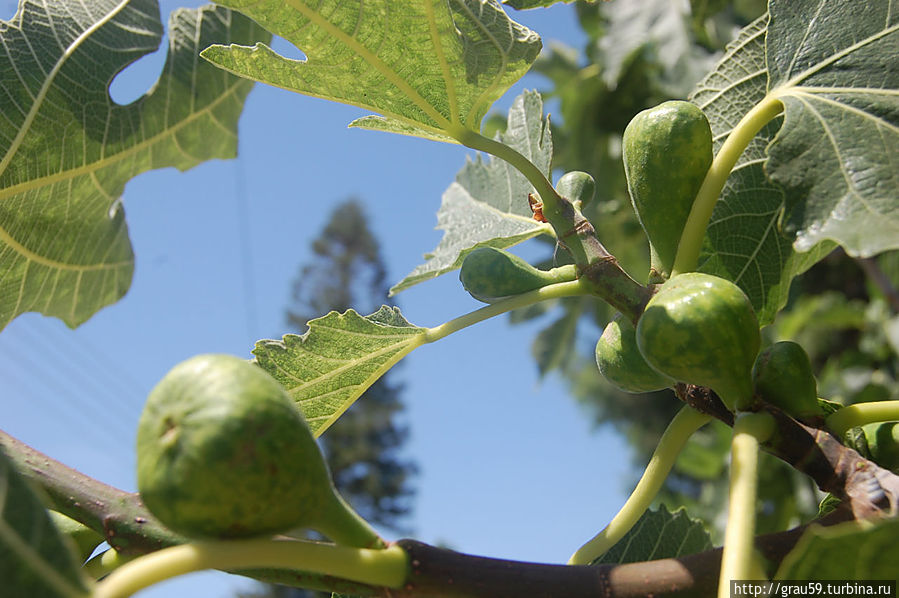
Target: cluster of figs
697, 328
224, 452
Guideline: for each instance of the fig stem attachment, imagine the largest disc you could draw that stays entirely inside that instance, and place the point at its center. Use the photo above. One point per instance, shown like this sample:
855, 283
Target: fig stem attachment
681, 428
848, 417
346, 527
690, 243
738, 557
528, 169
387, 567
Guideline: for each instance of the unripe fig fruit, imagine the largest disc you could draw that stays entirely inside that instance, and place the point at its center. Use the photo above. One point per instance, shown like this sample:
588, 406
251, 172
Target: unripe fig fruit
222, 451
577, 186
782, 375
84, 538
701, 329
491, 274
883, 444
620, 362
667, 151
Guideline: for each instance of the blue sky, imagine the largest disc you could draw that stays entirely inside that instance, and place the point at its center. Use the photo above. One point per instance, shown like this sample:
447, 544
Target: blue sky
510, 466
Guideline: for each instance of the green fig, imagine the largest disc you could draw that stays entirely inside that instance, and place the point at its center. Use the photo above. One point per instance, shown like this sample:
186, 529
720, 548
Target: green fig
490, 275
701, 329
577, 186
782, 375
620, 362
667, 151
883, 444
223, 452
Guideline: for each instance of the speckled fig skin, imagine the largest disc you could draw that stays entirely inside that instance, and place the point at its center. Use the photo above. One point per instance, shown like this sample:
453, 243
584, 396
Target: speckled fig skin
490, 275
883, 444
701, 329
620, 362
223, 452
782, 375
667, 151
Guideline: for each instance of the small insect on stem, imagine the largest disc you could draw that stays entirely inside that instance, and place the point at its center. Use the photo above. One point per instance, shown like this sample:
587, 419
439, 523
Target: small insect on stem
536, 207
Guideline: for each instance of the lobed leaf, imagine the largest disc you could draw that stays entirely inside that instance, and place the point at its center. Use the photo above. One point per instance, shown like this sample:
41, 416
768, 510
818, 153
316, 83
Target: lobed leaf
487, 204
429, 68
837, 151
35, 560
659, 534
67, 150
743, 241
328, 367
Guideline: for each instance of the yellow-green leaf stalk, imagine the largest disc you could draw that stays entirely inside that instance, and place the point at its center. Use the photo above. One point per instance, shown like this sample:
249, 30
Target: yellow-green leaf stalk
684, 424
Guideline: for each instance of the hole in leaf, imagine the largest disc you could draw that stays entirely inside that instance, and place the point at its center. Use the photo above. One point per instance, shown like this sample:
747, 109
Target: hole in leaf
139, 76
287, 49
8, 9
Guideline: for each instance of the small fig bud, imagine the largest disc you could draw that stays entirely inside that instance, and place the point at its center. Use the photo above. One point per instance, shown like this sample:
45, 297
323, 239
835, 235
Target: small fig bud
782, 375
577, 186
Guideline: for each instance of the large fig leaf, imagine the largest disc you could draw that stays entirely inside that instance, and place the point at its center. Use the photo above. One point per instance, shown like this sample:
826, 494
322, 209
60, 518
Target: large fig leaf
743, 241
833, 65
337, 359
429, 68
67, 150
488, 202
35, 560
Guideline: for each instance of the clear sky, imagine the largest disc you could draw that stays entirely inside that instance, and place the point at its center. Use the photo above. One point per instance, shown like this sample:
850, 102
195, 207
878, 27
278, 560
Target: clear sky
510, 466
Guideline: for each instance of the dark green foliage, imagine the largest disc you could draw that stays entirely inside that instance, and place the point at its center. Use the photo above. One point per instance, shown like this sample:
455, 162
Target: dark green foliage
25, 520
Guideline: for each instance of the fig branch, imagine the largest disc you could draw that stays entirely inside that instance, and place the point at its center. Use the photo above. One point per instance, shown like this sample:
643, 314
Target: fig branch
866, 489
433, 572
123, 520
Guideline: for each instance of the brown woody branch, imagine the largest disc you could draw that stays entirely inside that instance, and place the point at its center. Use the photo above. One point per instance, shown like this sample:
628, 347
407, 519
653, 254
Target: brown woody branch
867, 489
434, 572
